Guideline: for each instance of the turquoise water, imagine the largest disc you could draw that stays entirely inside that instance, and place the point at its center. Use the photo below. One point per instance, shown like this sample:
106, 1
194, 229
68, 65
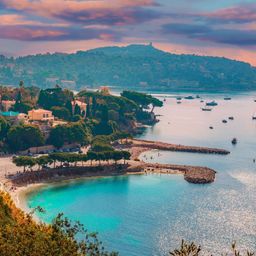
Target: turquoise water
149, 215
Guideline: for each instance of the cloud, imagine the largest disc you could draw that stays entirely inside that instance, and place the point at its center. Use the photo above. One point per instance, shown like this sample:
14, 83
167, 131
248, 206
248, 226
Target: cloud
41, 33
110, 12
208, 33
245, 13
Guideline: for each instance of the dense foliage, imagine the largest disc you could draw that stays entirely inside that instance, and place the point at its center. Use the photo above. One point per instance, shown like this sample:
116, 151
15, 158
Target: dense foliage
135, 66
106, 114
20, 235
21, 137
75, 132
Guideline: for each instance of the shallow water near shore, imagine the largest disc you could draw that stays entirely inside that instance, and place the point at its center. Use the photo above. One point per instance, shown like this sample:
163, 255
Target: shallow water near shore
150, 214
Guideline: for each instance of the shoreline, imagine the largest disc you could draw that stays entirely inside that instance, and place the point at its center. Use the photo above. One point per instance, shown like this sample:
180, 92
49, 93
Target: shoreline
19, 184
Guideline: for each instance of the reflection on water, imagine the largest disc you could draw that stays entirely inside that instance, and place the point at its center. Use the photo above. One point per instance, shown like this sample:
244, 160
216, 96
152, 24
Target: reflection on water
148, 215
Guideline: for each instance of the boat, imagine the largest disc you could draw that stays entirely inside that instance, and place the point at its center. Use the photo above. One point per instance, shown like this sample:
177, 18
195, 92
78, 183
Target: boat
224, 121
178, 102
234, 141
201, 101
178, 98
189, 97
206, 109
197, 96
231, 118
211, 127
212, 103
227, 98
254, 116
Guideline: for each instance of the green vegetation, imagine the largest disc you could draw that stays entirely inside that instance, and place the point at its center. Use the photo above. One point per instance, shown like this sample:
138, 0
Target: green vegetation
106, 115
75, 132
20, 235
54, 97
135, 67
21, 137
67, 159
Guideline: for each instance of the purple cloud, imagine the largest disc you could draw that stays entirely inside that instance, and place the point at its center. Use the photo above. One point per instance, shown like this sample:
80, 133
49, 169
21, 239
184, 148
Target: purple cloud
207, 33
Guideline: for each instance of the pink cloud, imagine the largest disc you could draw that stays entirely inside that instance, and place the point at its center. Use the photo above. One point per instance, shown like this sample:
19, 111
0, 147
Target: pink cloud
118, 11
237, 14
23, 33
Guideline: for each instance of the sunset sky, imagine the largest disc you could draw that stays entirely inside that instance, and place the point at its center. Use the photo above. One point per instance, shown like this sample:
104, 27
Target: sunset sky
206, 27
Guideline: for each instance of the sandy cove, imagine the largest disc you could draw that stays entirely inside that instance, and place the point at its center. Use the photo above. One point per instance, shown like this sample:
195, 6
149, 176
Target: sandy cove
18, 184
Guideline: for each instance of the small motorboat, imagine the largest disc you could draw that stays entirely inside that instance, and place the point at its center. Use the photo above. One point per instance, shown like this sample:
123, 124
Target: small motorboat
211, 128
234, 141
197, 96
224, 121
189, 97
254, 117
231, 118
227, 98
206, 109
212, 103
201, 101
178, 102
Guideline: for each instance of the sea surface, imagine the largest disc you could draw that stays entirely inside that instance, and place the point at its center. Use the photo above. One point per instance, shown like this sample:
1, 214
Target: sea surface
151, 214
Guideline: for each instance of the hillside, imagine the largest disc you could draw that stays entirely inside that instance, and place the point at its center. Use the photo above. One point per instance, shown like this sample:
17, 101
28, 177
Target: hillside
20, 235
135, 66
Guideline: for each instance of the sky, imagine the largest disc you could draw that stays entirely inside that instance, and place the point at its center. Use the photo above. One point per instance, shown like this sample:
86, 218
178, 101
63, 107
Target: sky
205, 27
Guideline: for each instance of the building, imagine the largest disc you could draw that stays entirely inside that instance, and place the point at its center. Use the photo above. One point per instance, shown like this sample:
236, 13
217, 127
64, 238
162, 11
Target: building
40, 115
7, 105
105, 90
81, 104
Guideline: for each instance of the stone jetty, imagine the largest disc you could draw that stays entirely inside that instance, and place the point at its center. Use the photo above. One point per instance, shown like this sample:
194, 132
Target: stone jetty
176, 147
192, 174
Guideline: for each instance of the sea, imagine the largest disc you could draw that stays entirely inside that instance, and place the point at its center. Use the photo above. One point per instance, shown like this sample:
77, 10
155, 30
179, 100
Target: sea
150, 214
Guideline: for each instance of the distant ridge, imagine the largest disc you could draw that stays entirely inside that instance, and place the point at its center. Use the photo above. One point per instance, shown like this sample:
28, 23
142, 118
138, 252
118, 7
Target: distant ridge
134, 66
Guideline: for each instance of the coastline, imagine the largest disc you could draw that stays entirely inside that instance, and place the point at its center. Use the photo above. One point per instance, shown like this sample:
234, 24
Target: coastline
19, 185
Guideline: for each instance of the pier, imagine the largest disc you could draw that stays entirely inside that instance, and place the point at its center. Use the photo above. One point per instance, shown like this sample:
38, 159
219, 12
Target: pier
175, 147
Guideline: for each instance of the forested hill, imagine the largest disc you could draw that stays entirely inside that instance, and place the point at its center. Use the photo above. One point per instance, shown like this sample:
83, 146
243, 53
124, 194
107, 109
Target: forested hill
135, 66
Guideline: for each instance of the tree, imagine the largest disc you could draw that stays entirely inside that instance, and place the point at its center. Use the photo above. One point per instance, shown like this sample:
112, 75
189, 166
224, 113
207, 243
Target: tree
77, 110
54, 97
22, 137
24, 161
22, 107
43, 161
4, 127
126, 155
69, 133
61, 113
142, 99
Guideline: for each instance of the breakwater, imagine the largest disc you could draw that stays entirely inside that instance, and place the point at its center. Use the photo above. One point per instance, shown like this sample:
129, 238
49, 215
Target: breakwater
176, 147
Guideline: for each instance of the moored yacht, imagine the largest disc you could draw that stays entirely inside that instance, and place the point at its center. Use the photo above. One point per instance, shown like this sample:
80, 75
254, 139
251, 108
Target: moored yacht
212, 103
